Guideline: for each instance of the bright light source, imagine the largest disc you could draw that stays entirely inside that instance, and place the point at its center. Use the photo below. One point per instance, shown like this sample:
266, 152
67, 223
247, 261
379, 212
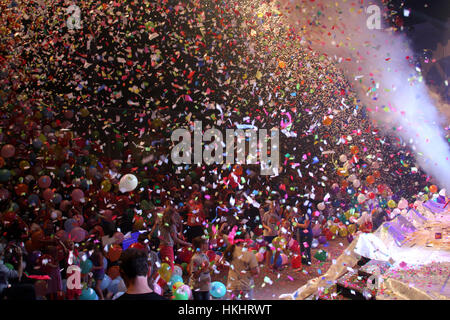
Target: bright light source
406, 12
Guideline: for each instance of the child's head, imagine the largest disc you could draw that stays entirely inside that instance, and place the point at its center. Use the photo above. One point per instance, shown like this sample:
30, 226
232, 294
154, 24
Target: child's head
200, 244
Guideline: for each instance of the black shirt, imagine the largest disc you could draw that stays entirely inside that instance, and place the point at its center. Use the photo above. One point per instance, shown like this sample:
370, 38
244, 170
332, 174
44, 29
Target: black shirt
143, 296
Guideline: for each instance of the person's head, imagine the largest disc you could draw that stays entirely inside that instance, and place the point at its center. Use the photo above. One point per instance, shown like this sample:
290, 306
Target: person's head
200, 244
239, 240
133, 264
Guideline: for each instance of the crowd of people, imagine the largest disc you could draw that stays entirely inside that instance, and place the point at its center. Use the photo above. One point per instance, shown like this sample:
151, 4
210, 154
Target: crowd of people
82, 109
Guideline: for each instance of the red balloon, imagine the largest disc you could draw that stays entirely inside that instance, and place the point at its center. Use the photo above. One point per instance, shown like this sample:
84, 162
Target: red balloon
185, 255
48, 194
113, 272
8, 150
211, 255
21, 189
77, 195
138, 246
114, 252
44, 182
296, 262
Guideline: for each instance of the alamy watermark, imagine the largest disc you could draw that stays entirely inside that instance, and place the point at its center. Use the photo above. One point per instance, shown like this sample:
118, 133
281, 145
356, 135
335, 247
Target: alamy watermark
214, 152
374, 20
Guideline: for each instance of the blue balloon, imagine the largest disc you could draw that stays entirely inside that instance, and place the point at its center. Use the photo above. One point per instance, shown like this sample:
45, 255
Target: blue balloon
114, 286
279, 261
175, 278
69, 224
88, 294
33, 200
105, 282
5, 174
57, 198
86, 266
218, 289
37, 143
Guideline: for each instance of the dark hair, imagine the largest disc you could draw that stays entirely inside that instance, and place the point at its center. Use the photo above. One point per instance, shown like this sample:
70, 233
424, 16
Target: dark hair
134, 263
198, 241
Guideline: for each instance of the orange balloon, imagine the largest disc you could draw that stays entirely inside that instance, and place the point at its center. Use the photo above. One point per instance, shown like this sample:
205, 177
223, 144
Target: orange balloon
376, 174
344, 183
433, 189
327, 121
281, 64
113, 272
354, 149
114, 252
370, 179
238, 170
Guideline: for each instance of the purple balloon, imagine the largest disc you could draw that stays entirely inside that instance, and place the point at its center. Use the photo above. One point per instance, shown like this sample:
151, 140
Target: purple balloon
322, 239
349, 238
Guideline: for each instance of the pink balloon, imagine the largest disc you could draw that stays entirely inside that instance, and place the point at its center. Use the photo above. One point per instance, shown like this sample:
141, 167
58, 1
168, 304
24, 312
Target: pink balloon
44, 182
118, 236
8, 151
62, 234
78, 234
259, 257
48, 194
77, 195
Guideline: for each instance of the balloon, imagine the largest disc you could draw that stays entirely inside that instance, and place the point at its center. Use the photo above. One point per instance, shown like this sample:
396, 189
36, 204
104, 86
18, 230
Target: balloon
86, 266
211, 255
259, 256
165, 272
327, 121
322, 240
185, 254
343, 158
316, 230
106, 185
118, 237
65, 204
315, 243
105, 282
351, 228
88, 294
296, 262
128, 183
349, 238
433, 188
333, 229
354, 149
356, 183
391, 204
114, 272
70, 224
361, 198
372, 195
77, 195
175, 279
78, 234
177, 271
57, 198
180, 294
5, 174
351, 177
21, 189
218, 289
4, 194
157, 289
403, 204
321, 206
8, 150
48, 194
343, 232
176, 285
44, 182
370, 179
376, 174
186, 289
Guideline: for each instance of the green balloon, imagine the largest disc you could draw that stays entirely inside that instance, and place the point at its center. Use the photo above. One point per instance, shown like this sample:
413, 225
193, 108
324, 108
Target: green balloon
5, 174
9, 266
180, 295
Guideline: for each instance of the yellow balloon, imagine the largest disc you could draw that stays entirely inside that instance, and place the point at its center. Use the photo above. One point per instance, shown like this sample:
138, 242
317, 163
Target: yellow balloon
334, 229
343, 232
347, 214
165, 272
106, 185
391, 204
351, 228
176, 285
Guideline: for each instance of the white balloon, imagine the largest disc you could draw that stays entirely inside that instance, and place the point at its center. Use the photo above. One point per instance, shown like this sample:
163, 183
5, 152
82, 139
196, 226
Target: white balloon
402, 204
315, 243
356, 183
321, 206
128, 183
343, 158
351, 178
361, 198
